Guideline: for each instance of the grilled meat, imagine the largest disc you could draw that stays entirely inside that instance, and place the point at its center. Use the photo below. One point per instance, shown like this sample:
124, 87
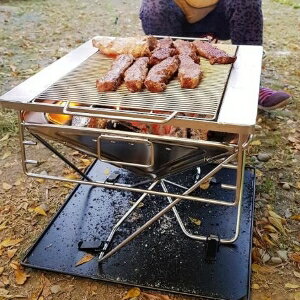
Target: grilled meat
113, 78
136, 74
163, 50
189, 73
213, 54
136, 46
186, 48
160, 74
160, 54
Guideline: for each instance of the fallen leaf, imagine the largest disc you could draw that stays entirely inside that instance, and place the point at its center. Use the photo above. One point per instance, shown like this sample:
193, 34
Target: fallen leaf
15, 265
297, 296
255, 286
40, 180
277, 223
262, 269
5, 280
6, 186
72, 176
274, 215
68, 185
270, 228
10, 242
258, 173
11, 253
298, 185
297, 274
296, 217
295, 257
86, 258
291, 286
20, 276
85, 162
1, 270
5, 137
134, 292
3, 292
106, 171
195, 221
3, 225
55, 289
256, 143
6, 155
39, 210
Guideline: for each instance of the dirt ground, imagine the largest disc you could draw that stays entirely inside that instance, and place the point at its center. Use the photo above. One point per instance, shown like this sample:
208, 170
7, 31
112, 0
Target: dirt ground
35, 33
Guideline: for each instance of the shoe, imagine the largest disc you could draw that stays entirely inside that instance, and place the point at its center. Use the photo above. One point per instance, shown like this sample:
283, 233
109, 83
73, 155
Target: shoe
269, 99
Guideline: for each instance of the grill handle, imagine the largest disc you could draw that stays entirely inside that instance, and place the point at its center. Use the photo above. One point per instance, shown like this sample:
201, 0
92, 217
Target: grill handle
76, 111
129, 140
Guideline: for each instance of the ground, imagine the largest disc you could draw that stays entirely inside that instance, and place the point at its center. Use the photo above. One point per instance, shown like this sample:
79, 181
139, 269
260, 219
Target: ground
35, 33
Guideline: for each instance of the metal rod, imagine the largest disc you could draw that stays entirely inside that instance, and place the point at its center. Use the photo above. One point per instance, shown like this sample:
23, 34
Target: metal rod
162, 212
228, 187
70, 164
131, 189
179, 220
117, 225
175, 184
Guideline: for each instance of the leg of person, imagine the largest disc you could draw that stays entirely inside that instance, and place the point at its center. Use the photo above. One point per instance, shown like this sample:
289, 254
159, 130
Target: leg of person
162, 17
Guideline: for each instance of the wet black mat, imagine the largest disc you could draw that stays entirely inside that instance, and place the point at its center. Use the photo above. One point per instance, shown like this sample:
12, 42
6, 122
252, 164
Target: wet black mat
162, 257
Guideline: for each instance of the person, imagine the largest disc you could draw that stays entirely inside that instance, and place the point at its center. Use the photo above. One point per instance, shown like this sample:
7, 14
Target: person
240, 21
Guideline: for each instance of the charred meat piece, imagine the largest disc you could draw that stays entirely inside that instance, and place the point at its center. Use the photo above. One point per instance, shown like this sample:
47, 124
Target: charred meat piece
189, 73
213, 54
160, 54
113, 78
163, 50
186, 48
160, 74
136, 46
136, 74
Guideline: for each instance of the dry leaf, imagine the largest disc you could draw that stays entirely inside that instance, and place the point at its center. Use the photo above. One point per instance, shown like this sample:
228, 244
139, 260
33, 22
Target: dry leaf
270, 228
262, 269
296, 217
1, 270
297, 274
15, 265
277, 223
291, 286
86, 258
295, 257
3, 292
255, 286
106, 171
68, 185
297, 296
11, 253
204, 185
195, 221
258, 173
298, 185
72, 176
134, 292
274, 215
40, 180
20, 276
3, 225
6, 186
39, 210
10, 242
85, 162
256, 143
5, 137
6, 155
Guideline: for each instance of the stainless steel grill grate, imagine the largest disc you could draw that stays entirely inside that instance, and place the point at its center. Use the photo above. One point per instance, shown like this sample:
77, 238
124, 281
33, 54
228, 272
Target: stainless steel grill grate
80, 86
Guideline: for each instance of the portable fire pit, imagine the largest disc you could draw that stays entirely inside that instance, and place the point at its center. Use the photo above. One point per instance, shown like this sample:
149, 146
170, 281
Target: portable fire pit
166, 171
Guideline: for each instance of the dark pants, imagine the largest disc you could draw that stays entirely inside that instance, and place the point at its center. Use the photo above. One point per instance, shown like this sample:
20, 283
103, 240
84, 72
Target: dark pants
238, 20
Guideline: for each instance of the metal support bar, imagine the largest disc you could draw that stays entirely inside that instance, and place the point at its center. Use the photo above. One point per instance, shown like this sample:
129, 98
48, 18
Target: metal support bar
65, 160
118, 224
167, 208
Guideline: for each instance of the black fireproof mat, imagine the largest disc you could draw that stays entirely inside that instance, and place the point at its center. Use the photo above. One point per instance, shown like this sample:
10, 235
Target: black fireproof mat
162, 257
